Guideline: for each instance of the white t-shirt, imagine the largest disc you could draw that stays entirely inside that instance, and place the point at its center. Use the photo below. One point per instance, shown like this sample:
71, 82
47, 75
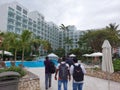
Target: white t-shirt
72, 68
62, 63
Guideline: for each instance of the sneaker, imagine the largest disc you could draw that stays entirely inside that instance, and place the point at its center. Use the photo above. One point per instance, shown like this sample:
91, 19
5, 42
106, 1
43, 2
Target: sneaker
49, 86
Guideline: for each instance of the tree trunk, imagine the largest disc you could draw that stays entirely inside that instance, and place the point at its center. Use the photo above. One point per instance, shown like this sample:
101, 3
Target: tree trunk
23, 55
15, 55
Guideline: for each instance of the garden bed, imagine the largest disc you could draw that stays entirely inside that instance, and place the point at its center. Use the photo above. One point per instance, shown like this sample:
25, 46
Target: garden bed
103, 75
29, 82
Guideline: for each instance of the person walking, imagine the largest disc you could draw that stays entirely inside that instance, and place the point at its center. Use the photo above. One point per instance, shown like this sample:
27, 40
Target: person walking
48, 75
69, 61
64, 74
77, 71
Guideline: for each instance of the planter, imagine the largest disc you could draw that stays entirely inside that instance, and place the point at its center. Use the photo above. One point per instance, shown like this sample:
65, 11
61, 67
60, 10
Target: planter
103, 75
9, 80
29, 82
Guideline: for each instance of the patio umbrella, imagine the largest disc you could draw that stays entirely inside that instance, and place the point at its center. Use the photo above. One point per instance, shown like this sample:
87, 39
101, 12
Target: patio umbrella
86, 55
6, 53
107, 64
72, 55
52, 55
96, 54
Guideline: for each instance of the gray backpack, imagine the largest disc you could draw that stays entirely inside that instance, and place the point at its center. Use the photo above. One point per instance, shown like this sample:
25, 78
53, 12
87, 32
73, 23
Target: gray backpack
63, 71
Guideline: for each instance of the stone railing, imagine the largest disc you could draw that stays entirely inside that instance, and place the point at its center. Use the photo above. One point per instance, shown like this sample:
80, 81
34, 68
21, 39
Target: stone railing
104, 75
29, 82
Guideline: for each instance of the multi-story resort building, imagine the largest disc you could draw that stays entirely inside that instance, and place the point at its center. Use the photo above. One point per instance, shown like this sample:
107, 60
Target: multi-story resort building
15, 18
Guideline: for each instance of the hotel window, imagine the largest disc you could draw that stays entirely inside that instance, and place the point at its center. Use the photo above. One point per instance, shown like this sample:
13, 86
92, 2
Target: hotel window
11, 9
25, 12
19, 8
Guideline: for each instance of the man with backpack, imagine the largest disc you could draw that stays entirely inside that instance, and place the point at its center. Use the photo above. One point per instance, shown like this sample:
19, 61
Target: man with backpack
69, 60
47, 73
64, 74
77, 71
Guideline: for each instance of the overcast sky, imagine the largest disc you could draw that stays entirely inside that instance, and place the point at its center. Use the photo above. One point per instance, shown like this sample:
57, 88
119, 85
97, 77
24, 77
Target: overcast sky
84, 14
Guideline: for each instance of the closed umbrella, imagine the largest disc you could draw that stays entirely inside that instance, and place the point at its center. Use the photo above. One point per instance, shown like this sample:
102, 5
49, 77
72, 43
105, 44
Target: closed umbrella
107, 64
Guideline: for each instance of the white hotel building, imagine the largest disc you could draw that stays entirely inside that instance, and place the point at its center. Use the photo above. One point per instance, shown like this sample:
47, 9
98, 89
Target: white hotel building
14, 18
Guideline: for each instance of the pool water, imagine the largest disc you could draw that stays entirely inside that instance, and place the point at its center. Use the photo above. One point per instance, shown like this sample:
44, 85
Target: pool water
33, 64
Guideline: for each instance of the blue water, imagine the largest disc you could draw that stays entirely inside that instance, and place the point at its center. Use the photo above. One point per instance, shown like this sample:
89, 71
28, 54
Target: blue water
33, 64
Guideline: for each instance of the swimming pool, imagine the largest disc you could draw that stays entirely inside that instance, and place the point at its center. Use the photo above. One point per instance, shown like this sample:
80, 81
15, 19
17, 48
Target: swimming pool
32, 64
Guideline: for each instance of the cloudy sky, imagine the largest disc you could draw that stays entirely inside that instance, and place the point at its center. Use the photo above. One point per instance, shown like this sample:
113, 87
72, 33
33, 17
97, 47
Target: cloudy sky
84, 14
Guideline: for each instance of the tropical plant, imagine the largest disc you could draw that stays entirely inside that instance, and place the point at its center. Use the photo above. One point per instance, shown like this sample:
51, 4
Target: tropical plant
94, 39
6, 44
21, 71
63, 27
14, 43
46, 46
112, 28
35, 44
60, 52
25, 41
116, 64
67, 42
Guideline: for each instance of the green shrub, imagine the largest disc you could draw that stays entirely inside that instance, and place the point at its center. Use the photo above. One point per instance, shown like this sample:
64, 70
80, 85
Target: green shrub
116, 64
2, 70
20, 70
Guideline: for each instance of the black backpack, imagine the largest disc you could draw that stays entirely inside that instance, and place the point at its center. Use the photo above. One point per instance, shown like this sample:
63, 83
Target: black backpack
78, 74
63, 71
52, 67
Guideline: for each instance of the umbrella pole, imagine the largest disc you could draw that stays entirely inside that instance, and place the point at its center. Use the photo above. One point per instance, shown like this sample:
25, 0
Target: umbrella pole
108, 81
92, 66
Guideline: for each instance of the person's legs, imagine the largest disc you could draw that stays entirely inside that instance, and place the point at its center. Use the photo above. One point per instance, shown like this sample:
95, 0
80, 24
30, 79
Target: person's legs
80, 85
75, 86
59, 84
50, 80
65, 84
46, 81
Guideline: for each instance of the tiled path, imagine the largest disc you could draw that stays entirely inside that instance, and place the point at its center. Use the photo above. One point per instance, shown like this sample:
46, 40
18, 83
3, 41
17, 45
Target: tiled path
90, 83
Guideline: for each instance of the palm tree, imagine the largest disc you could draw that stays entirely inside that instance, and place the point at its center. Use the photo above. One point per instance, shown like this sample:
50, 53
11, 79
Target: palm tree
25, 41
114, 32
15, 43
63, 27
36, 43
5, 43
67, 42
112, 26
113, 29
46, 45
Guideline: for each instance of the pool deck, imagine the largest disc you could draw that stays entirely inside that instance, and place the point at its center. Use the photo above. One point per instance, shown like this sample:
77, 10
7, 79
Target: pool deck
90, 83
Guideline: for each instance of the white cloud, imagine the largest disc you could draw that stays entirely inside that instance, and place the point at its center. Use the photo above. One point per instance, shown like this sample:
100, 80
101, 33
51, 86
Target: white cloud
84, 14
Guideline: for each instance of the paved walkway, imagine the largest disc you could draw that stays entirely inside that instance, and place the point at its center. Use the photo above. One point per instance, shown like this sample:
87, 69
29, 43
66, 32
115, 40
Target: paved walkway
90, 83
